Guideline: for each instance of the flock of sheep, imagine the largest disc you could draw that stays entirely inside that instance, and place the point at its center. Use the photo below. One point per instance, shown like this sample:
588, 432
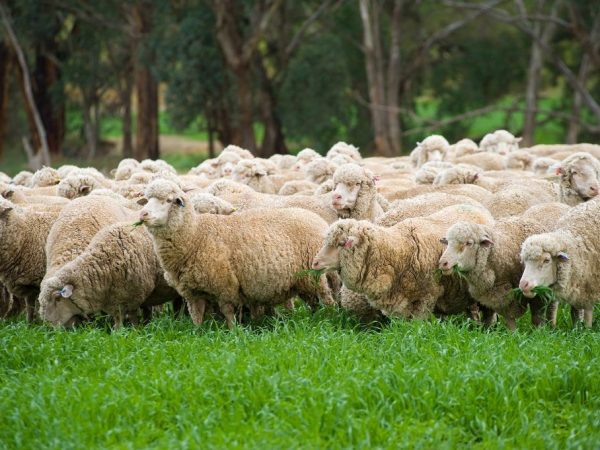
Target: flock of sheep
482, 230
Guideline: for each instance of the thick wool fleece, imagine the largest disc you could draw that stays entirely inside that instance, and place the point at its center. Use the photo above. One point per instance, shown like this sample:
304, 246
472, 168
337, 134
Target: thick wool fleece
117, 273
498, 268
46, 176
469, 190
577, 236
367, 206
485, 160
435, 142
248, 258
568, 194
23, 235
394, 267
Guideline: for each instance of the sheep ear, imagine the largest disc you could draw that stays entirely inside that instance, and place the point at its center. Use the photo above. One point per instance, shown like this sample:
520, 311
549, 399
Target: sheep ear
351, 242
8, 194
4, 210
376, 179
142, 201
562, 256
486, 242
444, 241
519, 139
179, 202
475, 177
85, 189
113, 172
66, 291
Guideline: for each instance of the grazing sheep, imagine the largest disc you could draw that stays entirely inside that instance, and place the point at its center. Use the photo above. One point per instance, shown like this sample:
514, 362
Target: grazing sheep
488, 257
23, 178
427, 173
297, 186
46, 176
579, 178
205, 203
433, 148
243, 198
344, 149
355, 194
567, 259
519, 160
542, 165
230, 263
319, 170
23, 235
116, 274
245, 154
393, 268
463, 147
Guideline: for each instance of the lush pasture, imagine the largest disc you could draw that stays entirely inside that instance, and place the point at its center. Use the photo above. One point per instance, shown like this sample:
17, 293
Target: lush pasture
299, 381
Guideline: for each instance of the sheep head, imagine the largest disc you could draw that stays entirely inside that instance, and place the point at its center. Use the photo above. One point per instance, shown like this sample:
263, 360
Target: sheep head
351, 183
165, 207
57, 303
464, 241
546, 260
581, 173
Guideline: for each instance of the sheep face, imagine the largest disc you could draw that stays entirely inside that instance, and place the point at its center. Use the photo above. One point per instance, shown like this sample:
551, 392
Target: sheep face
464, 242
345, 195
157, 212
57, 304
582, 176
247, 169
340, 236
327, 258
226, 163
543, 260
349, 181
75, 186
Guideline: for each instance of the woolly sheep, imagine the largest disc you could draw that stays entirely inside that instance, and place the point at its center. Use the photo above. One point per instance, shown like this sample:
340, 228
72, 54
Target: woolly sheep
283, 162
125, 169
5, 178
23, 178
254, 174
355, 194
485, 160
579, 178
488, 256
117, 273
547, 214
79, 185
207, 168
66, 170
344, 149
567, 259
242, 152
542, 165
463, 147
205, 203
226, 162
248, 258
304, 157
392, 267
297, 186
157, 166
46, 176
469, 190
427, 173
501, 142
519, 160
516, 199
432, 148
319, 170
23, 235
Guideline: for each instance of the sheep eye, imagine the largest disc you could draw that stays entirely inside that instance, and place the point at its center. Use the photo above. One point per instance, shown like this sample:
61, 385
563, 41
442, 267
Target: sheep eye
469, 243
169, 200
546, 261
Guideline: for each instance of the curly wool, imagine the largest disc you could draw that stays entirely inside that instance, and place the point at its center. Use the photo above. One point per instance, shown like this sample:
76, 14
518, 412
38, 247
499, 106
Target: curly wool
568, 194
23, 178
343, 149
319, 170
297, 186
46, 176
205, 203
456, 175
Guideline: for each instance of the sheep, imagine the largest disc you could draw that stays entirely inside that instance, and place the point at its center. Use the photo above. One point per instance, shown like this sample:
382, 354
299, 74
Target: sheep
226, 163
393, 268
542, 165
297, 186
125, 169
427, 173
488, 257
79, 185
463, 147
77, 224
46, 176
354, 194
207, 168
243, 198
433, 148
157, 166
242, 152
566, 260
519, 160
485, 160
248, 258
324, 188
253, 173
422, 205
469, 190
23, 235
283, 162
579, 178
319, 170
117, 273
205, 203
304, 157
23, 196
23, 178
344, 149
547, 214
515, 200
459, 174
501, 142
358, 305
66, 170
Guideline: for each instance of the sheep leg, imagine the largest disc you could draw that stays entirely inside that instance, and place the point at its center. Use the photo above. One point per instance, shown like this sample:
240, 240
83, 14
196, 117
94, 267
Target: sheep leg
196, 308
229, 312
551, 313
588, 316
146, 314
576, 316
256, 311
537, 311
30, 308
489, 316
511, 323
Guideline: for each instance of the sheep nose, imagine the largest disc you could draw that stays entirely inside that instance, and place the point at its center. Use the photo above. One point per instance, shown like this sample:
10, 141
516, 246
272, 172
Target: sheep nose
316, 264
143, 215
524, 285
337, 196
444, 264
594, 190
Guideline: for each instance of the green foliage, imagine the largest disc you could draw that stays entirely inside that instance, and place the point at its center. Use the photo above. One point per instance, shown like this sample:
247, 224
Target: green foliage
305, 380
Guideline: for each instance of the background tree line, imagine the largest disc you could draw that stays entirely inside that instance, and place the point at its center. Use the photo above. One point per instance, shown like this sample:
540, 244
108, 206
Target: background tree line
278, 75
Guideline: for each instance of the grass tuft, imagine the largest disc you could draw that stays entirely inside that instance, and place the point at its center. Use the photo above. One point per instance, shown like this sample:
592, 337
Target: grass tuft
314, 274
138, 223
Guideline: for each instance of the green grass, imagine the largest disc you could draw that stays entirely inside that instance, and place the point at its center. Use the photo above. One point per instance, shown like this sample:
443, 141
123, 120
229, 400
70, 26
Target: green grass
299, 382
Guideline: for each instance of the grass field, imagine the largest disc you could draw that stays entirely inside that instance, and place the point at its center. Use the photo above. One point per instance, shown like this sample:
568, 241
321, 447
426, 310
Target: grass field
303, 381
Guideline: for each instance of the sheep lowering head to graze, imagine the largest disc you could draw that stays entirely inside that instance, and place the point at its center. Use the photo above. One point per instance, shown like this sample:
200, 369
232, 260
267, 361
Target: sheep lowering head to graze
205, 203
488, 258
319, 170
242, 152
463, 147
432, 148
519, 160
247, 258
456, 175
23, 178
355, 194
125, 169
579, 178
427, 173
46, 176
344, 149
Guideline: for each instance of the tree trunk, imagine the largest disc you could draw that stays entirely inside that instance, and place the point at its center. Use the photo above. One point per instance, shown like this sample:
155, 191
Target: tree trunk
573, 130
46, 77
89, 128
126, 119
393, 81
6, 60
273, 140
146, 142
246, 117
374, 66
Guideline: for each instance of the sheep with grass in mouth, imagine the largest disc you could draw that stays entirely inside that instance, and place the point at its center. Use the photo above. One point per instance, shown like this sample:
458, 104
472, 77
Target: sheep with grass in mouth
488, 258
250, 258
566, 260
579, 178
